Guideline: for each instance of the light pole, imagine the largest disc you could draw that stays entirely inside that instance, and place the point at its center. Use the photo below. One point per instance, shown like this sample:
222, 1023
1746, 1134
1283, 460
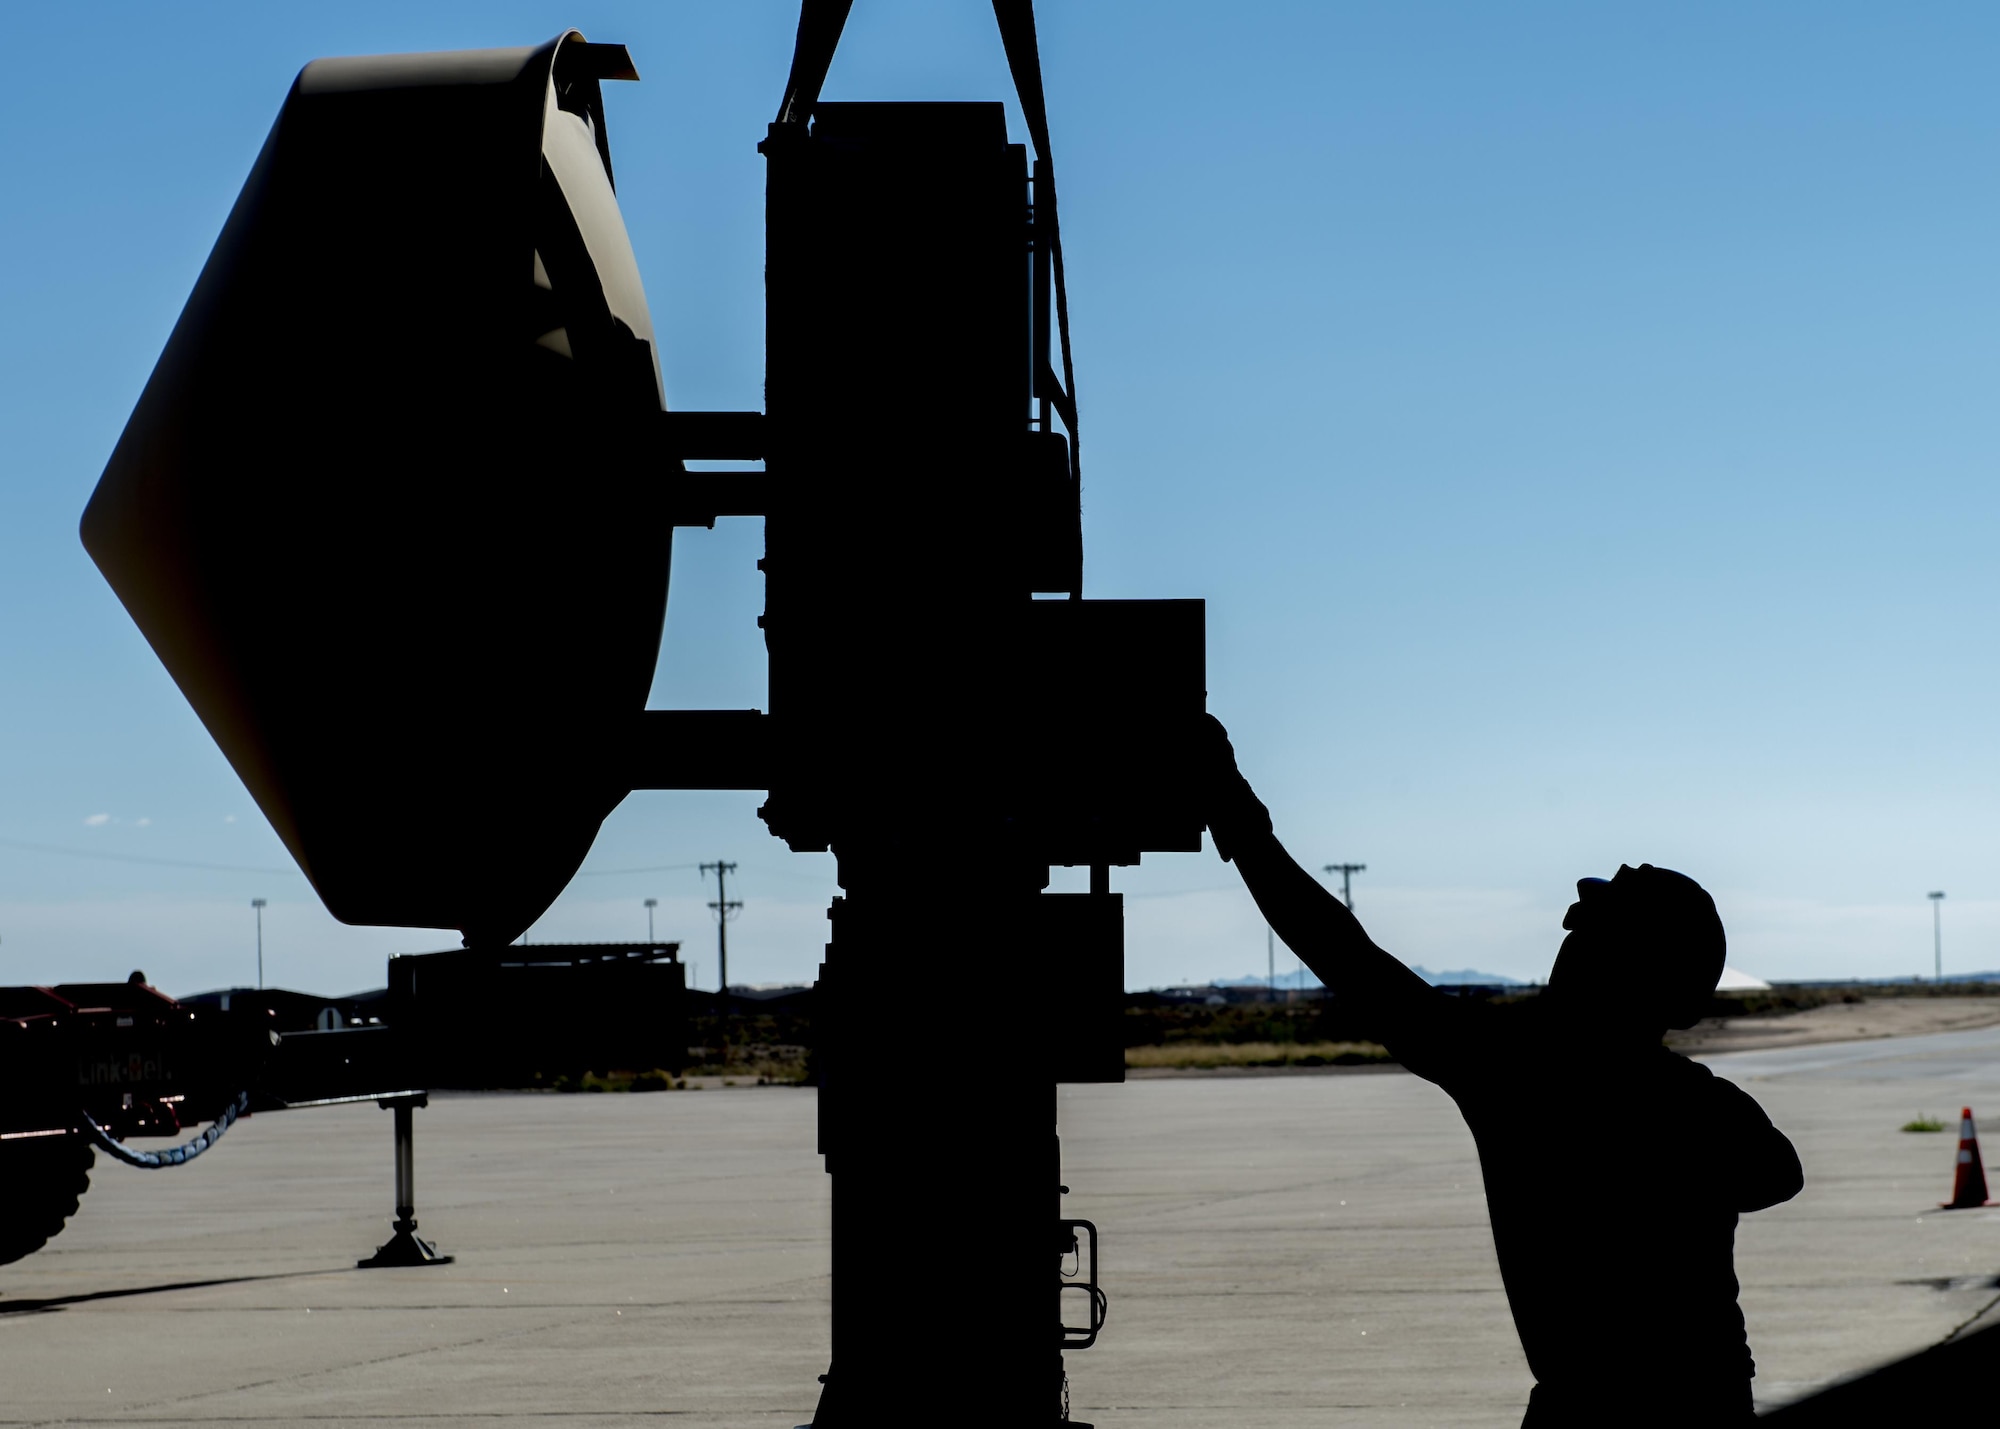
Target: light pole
651, 904
258, 904
1347, 872
1937, 937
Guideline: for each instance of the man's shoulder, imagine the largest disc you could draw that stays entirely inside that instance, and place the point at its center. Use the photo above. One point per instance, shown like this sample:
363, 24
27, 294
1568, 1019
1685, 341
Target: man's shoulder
1525, 1019
1473, 1046
1689, 1078
1696, 1082
1679, 1064
1511, 1016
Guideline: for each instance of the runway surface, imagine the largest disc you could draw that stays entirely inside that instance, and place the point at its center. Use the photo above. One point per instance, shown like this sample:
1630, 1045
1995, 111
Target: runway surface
1280, 1251
1974, 1056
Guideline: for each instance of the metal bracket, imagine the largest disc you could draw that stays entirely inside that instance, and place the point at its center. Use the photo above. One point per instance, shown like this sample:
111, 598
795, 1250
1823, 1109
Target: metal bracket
700, 749
712, 436
1084, 1279
699, 497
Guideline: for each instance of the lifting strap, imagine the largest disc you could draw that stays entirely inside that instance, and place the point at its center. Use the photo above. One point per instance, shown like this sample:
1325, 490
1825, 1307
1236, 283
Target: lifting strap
1024, 61
820, 24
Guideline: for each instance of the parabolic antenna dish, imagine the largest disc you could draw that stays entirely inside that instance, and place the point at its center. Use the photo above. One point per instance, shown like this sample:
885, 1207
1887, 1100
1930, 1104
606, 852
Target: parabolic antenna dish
383, 508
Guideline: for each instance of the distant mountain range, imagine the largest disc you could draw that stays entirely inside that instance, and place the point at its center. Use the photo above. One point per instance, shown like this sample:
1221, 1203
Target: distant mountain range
1449, 977
1467, 975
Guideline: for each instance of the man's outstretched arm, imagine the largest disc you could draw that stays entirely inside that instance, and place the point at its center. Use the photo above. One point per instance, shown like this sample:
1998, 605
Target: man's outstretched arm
1314, 924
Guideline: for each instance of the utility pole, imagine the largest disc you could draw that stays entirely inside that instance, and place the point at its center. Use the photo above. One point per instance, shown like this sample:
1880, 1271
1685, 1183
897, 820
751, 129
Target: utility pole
1271, 963
258, 904
1937, 937
651, 904
722, 907
1347, 872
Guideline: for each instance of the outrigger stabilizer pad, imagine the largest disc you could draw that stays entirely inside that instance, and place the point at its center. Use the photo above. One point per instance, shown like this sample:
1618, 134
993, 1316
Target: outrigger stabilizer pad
404, 1248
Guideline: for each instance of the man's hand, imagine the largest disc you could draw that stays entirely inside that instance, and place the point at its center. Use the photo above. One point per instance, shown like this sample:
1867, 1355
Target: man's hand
1402, 1008
1231, 810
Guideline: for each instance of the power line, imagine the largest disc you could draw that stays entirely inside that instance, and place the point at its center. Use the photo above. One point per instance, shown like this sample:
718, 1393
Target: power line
722, 907
1183, 892
1346, 872
106, 854
763, 870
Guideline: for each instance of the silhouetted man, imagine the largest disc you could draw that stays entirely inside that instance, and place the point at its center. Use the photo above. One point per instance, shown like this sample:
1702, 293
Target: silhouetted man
1615, 1169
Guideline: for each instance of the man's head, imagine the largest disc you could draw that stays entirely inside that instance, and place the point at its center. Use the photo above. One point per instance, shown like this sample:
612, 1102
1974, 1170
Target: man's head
1645, 947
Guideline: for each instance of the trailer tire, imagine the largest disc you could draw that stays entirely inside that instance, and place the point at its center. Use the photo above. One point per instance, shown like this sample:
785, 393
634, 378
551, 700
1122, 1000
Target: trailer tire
41, 1180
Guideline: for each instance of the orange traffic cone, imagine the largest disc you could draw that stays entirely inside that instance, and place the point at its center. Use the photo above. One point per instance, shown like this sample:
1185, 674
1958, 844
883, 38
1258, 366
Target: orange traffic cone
1968, 1188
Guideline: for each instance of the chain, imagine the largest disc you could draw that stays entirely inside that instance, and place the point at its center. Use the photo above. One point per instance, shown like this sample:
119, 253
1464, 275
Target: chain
173, 1155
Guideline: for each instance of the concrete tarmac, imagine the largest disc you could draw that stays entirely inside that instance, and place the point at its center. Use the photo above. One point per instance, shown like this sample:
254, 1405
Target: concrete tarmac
1279, 1251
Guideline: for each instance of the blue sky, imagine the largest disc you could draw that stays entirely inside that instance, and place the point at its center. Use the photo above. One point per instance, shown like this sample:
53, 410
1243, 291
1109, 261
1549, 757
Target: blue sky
1578, 419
